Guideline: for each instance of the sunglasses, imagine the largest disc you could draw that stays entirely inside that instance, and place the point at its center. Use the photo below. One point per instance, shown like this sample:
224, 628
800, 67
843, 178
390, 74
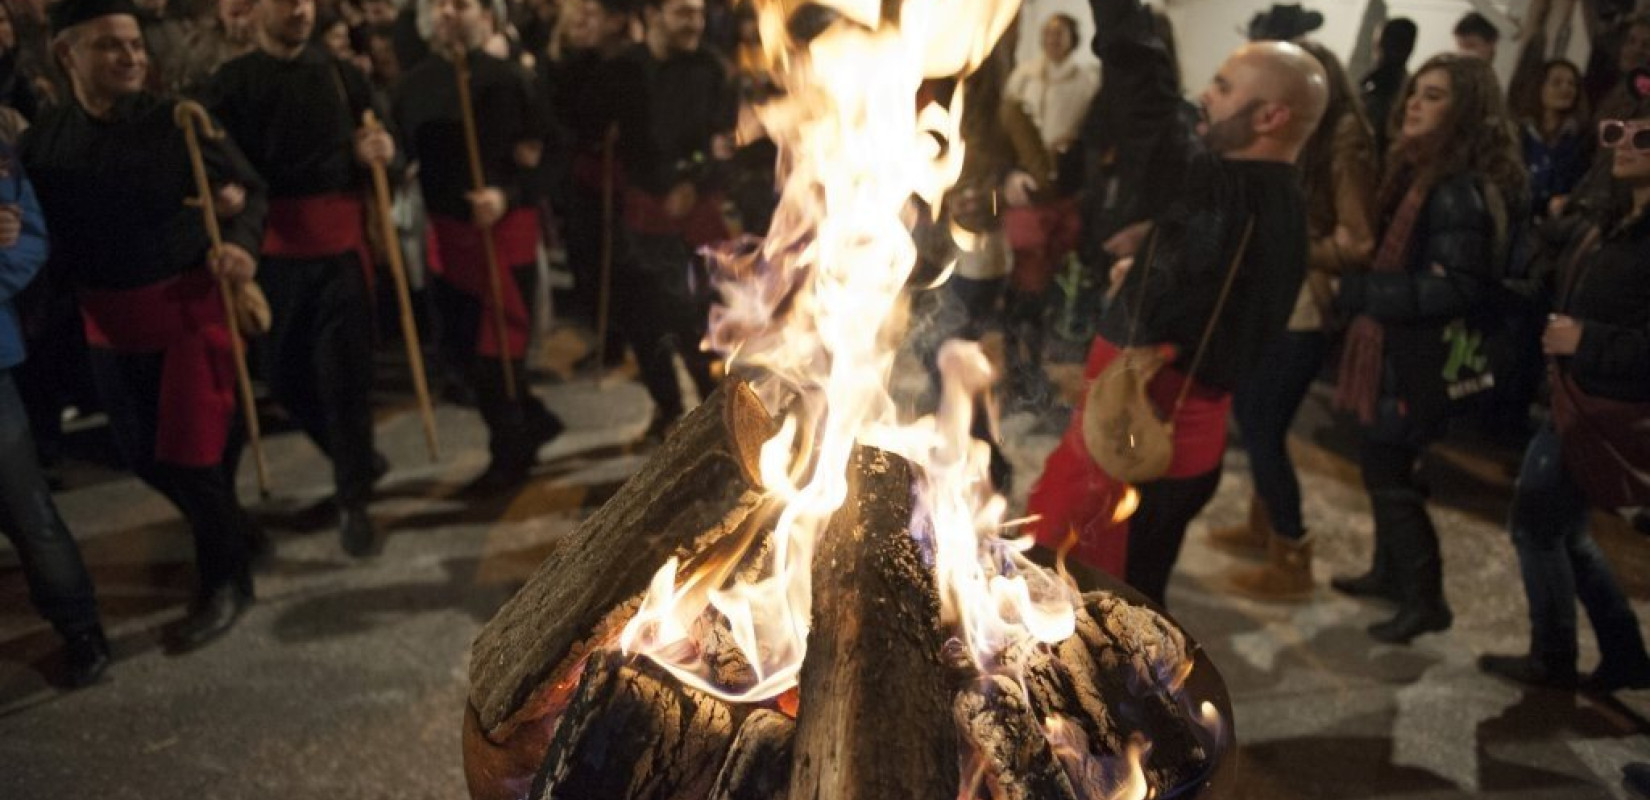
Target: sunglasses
1615, 133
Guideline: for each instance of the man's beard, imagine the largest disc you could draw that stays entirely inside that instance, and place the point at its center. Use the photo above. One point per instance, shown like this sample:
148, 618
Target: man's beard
1234, 132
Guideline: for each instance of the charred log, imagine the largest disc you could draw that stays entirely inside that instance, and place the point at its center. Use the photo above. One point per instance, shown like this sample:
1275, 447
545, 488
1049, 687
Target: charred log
998, 722
699, 488
758, 765
875, 711
633, 732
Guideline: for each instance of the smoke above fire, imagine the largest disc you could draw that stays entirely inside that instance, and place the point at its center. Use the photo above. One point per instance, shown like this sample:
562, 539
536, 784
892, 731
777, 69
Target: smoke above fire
816, 313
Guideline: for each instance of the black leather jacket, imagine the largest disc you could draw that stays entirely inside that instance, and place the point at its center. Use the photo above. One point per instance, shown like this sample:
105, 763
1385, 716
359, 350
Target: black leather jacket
1449, 272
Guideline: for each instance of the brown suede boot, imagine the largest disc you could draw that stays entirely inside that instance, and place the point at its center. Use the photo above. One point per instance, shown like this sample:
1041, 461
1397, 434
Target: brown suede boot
1286, 575
1247, 540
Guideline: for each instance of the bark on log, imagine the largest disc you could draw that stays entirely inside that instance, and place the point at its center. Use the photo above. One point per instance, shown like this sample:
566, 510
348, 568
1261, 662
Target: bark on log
874, 721
998, 722
758, 765
633, 732
697, 489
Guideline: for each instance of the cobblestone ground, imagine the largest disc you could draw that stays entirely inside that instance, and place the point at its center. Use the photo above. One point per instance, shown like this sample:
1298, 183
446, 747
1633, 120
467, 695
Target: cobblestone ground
347, 679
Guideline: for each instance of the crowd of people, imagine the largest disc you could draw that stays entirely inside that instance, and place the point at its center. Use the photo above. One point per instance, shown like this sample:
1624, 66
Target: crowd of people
1434, 246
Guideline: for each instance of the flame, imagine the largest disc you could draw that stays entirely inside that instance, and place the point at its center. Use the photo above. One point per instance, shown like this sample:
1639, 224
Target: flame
1126, 506
1098, 777
817, 310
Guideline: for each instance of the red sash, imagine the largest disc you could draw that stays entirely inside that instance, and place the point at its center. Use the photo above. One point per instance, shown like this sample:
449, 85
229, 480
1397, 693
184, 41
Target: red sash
703, 225
460, 257
183, 318
318, 226
1075, 495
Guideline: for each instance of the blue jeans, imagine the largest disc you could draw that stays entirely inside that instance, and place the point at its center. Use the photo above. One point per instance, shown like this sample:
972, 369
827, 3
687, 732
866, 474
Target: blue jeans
1561, 563
59, 586
1264, 406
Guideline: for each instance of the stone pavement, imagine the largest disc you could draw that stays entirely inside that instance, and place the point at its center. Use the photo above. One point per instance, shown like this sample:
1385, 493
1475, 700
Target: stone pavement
347, 679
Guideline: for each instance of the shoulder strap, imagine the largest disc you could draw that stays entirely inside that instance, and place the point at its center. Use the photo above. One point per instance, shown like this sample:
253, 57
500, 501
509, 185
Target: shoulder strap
1570, 278
1140, 291
1214, 318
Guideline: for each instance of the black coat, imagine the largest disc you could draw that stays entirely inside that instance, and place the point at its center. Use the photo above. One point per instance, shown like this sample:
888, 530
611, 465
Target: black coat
1611, 298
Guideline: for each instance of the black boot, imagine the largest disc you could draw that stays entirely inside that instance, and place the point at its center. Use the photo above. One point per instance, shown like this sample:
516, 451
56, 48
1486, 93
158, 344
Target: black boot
1531, 670
209, 617
1636, 776
356, 532
1377, 583
86, 656
516, 429
1417, 568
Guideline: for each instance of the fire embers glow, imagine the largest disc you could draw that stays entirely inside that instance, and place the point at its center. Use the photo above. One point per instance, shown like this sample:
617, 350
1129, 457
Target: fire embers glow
818, 307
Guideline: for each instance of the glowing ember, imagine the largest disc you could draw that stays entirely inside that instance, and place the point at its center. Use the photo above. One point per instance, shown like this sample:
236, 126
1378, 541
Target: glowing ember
818, 309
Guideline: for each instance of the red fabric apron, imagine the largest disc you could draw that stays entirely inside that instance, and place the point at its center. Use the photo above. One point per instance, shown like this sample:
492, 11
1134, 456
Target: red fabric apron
702, 225
1075, 496
460, 257
183, 318
318, 226
1042, 235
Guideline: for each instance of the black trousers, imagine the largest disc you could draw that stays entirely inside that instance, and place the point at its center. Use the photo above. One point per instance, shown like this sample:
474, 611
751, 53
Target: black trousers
461, 320
659, 316
59, 585
1158, 528
652, 309
318, 360
130, 386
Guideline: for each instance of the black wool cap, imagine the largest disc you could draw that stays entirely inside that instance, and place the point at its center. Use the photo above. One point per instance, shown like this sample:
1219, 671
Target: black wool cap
66, 14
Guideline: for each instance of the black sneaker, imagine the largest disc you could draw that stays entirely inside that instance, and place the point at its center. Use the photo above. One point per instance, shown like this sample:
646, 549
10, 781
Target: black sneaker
1614, 676
87, 656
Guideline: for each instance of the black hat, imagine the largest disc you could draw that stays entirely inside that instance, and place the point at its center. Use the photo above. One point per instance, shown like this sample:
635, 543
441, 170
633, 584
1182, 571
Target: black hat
1281, 23
66, 14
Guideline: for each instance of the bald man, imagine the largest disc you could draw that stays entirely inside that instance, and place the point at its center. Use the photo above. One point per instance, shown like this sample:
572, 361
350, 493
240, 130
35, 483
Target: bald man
1238, 216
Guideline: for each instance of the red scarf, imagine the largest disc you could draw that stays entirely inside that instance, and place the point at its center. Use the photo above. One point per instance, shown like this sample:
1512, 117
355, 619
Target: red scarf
1358, 387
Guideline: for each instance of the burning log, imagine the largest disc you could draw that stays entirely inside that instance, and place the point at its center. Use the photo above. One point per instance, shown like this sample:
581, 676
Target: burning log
873, 689
632, 732
998, 722
758, 766
698, 488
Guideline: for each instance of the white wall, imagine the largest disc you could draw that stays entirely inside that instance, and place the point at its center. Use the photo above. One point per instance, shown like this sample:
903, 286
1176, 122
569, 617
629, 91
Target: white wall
1207, 30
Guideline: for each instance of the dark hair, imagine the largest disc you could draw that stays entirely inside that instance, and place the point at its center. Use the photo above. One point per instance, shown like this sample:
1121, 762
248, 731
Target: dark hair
1476, 24
1343, 124
1477, 136
1398, 40
1071, 27
1527, 106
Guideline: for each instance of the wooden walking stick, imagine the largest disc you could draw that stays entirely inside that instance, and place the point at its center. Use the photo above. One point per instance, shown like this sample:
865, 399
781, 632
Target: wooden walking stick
604, 295
398, 272
479, 180
195, 122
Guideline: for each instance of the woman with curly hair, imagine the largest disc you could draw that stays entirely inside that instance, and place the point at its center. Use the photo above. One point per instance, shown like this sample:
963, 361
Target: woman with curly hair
1453, 173
1339, 175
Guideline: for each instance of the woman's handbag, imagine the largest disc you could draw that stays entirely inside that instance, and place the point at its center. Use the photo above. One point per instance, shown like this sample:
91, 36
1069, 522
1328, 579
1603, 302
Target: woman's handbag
1122, 429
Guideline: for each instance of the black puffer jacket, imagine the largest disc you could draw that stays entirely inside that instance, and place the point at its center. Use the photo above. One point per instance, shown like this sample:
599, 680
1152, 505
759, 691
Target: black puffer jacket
1450, 271
1611, 299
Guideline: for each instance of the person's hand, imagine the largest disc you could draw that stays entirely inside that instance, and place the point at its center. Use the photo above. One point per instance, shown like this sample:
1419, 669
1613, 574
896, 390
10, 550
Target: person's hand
497, 46
1125, 243
374, 146
229, 200
1562, 337
1119, 272
680, 200
11, 224
487, 206
1018, 187
721, 147
233, 263
528, 153
1555, 206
